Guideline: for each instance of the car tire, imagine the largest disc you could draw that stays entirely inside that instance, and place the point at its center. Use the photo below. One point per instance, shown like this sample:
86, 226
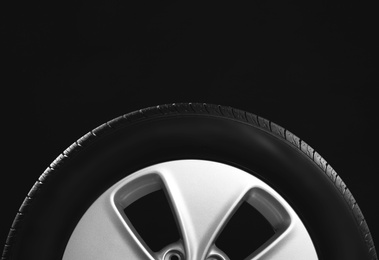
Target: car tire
125, 145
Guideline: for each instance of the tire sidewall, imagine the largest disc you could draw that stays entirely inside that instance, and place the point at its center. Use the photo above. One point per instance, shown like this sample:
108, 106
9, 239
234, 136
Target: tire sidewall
75, 185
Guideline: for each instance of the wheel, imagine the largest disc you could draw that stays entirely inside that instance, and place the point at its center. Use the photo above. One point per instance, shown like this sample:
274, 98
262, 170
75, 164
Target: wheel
189, 181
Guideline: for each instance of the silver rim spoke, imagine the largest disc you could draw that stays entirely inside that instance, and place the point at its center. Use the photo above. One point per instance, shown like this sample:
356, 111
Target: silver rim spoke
203, 199
293, 243
102, 234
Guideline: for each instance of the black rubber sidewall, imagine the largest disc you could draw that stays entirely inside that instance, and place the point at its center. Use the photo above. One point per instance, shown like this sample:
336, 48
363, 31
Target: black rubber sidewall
75, 185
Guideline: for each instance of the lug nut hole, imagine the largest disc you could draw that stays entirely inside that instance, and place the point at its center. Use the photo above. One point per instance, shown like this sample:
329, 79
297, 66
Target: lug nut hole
174, 255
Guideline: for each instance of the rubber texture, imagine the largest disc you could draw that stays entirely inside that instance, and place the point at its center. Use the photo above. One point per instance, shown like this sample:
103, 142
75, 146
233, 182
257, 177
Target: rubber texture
222, 117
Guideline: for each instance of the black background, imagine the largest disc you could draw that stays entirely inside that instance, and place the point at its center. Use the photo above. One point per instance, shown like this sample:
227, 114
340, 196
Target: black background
71, 66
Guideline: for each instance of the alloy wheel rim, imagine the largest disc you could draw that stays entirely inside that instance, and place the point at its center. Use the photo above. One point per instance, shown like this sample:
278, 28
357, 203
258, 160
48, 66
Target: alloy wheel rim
203, 195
